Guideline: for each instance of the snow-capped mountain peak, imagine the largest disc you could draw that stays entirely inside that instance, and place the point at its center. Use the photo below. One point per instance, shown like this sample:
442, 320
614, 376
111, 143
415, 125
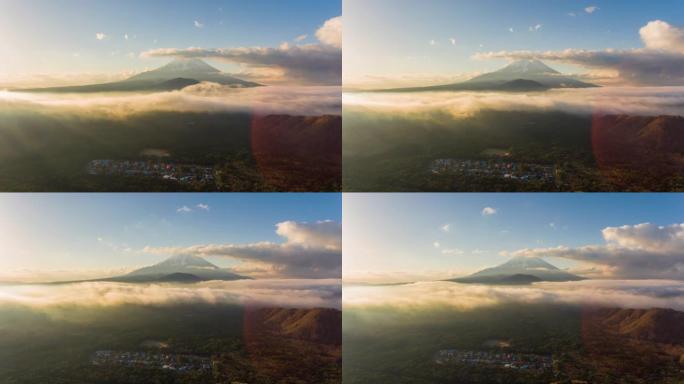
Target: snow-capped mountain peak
528, 67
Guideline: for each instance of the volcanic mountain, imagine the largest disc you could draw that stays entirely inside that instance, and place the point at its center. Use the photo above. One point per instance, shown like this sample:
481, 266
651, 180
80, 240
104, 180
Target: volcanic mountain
175, 75
519, 270
181, 268
519, 76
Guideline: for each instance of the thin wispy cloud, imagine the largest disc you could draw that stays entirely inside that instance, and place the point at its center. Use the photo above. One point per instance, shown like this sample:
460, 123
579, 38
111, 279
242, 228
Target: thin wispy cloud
591, 9
198, 24
200, 206
100, 36
203, 207
535, 28
452, 252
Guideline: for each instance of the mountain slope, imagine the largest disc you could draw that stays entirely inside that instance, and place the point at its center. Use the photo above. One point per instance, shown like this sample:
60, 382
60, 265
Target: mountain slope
519, 270
638, 135
655, 324
639, 153
321, 325
297, 153
176, 75
519, 76
294, 345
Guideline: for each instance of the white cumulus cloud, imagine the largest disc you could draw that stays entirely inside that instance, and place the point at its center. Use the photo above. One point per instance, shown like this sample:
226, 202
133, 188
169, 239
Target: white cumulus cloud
661, 35
330, 33
488, 211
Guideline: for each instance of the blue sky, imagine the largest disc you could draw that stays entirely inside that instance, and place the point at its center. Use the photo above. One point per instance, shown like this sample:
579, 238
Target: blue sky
52, 36
398, 232
392, 37
106, 231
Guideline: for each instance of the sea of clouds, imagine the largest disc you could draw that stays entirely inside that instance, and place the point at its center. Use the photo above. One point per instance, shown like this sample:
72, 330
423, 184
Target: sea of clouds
203, 97
440, 294
647, 101
295, 293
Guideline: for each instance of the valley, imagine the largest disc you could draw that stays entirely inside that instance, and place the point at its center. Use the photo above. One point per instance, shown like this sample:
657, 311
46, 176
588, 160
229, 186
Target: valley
552, 133
216, 133
194, 344
212, 151
556, 344
546, 151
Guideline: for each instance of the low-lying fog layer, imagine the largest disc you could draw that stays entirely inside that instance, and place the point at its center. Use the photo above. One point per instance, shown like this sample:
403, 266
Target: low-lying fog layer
204, 97
609, 293
300, 293
608, 100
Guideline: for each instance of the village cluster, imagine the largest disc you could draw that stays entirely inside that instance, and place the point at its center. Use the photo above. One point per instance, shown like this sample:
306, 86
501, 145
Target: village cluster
494, 168
539, 363
182, 173
168, 361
